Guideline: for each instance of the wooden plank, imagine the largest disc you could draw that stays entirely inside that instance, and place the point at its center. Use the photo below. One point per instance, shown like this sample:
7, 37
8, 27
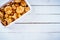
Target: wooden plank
44, 2
42, 28
45, 10
30, 36
47, 28
39, 18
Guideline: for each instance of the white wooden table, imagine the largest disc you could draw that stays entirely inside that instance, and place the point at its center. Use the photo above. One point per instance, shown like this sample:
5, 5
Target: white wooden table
43, 23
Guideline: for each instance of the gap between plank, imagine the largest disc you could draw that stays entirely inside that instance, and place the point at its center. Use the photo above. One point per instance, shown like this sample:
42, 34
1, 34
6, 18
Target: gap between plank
29, 32
45, 14
37, 23
45, 5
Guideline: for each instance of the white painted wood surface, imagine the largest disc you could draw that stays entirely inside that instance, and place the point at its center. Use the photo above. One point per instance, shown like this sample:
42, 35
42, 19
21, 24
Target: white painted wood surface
43, 23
